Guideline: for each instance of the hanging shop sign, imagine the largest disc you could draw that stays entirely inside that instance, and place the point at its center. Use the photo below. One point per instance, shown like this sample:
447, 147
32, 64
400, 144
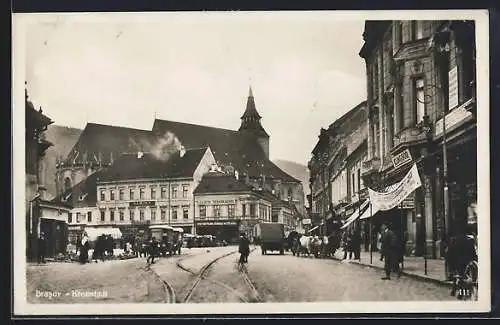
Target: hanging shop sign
401, 159
452, 88
408, 202
391, 199
217, 223
454, 117
142, 203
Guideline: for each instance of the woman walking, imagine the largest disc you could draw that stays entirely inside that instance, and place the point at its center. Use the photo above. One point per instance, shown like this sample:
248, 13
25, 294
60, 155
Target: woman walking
84, 249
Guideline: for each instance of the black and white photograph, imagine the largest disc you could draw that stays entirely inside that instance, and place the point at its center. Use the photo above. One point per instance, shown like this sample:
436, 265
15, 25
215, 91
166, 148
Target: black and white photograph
251, 162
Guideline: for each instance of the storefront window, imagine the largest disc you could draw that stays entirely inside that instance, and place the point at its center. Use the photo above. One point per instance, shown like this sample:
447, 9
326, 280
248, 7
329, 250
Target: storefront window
185, 212
252, 209
203, 211
216, 210
230, 210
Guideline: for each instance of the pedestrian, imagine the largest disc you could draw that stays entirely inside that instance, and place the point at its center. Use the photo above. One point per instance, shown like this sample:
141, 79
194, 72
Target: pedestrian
244, 248
356, 243
390, 250
84, 249
41, 248
153, 250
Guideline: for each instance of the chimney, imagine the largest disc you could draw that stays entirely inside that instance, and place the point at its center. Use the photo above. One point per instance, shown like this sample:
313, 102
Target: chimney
140, 154
182, 151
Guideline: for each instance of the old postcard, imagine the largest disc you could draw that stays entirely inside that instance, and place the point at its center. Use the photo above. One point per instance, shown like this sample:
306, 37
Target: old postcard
251, 162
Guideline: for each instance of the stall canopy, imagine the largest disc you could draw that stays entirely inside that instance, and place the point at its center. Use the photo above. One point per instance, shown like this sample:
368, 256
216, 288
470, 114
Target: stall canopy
355, 214
93, 233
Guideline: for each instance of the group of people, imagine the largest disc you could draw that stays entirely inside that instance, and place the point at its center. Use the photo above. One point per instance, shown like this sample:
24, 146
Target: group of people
103, 247
391, 251
351, 243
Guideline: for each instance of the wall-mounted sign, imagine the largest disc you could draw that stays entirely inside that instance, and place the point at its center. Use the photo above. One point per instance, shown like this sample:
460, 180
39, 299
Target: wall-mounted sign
306, 221
452, 88
140, 222
452, 118
142, 203
217, 223
401, 159
217, 202
408, 202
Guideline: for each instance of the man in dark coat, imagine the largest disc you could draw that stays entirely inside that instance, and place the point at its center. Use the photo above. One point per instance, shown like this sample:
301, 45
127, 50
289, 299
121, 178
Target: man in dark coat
390, 251
244, 248
41, 248
153, 246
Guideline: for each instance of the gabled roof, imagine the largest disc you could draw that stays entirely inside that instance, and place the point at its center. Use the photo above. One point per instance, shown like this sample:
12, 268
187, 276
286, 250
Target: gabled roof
215, 182
82, 194
107, 142
147, 166
228, 146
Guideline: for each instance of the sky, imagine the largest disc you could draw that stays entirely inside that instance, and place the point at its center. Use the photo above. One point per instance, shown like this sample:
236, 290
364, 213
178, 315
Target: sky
304, 71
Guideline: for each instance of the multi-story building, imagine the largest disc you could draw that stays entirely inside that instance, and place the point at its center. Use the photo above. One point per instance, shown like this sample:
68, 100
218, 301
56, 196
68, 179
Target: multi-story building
335, 167
41, 216
419, 73
138, 190
245, 150
227, 205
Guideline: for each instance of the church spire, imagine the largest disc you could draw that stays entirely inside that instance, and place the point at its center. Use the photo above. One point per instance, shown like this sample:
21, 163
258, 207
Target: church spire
250, 112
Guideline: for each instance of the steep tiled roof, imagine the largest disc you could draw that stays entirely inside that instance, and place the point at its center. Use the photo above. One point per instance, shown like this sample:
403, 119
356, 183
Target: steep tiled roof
214, 182
82, 194
228, 147
130, 166
105, 142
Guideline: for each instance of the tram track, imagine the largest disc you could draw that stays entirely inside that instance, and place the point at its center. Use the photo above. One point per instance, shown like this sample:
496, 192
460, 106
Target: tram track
202, 275
170, 297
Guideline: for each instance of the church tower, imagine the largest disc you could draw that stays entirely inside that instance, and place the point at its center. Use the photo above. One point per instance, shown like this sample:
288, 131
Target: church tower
250, 124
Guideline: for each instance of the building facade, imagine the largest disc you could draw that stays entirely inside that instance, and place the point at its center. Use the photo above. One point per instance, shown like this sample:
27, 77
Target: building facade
245, 151
335, 167
419, 72
227, 205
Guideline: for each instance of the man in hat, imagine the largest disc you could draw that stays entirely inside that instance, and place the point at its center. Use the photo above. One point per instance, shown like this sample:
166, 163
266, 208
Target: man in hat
41, 248
389, 250
244, 248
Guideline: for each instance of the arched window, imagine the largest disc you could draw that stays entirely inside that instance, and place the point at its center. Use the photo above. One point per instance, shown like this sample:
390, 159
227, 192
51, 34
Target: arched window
67, 183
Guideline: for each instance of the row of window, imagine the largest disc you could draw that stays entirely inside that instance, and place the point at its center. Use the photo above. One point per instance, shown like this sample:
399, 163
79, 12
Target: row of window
133, 194
119, 214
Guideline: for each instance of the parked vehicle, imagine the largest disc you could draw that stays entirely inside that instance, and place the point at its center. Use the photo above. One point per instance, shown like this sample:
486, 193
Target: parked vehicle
270, 237
164, 234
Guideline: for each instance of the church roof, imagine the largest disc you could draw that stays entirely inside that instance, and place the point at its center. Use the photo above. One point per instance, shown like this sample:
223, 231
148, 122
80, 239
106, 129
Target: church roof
250, 120
107, 142
228, 146
147, 166
82, 194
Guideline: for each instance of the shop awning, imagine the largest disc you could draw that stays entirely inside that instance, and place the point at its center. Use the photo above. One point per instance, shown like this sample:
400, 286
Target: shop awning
356, 214
93, 233
368, 213
313, 228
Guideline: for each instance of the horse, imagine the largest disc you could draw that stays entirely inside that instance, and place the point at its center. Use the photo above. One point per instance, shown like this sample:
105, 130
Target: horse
304, 246
316, 244
292, 241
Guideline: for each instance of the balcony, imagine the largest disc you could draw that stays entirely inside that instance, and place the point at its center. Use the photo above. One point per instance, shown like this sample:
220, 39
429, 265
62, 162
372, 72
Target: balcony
370, 166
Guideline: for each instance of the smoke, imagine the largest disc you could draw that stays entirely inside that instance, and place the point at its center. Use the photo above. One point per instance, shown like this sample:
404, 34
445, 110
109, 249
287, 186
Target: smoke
165, 146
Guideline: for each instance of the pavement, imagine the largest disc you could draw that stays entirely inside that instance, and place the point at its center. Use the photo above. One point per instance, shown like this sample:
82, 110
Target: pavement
412, 266
211, 275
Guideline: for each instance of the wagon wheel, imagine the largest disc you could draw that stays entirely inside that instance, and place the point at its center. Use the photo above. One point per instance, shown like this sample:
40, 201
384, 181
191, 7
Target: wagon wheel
471, 272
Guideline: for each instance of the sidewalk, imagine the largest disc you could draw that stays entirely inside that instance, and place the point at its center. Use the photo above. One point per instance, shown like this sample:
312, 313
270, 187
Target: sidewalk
413, 266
